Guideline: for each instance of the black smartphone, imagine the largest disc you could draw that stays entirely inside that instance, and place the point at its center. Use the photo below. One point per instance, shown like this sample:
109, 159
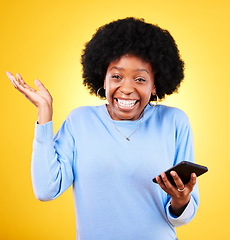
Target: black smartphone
184, 170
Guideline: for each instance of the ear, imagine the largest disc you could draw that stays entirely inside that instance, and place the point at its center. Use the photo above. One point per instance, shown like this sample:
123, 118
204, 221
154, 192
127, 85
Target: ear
104, 86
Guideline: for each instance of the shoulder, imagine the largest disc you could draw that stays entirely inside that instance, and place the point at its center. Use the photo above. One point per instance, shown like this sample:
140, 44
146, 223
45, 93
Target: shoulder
172, 114
84, 112
168, 111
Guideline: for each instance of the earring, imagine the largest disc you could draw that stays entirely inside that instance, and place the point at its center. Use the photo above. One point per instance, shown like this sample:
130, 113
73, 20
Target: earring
98, 95
155, 103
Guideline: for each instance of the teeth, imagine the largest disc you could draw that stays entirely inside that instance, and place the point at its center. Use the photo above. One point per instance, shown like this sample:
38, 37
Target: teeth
126, 103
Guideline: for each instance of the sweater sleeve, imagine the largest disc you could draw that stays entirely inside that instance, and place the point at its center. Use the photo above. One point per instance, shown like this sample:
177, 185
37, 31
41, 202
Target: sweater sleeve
52, 160
184, 147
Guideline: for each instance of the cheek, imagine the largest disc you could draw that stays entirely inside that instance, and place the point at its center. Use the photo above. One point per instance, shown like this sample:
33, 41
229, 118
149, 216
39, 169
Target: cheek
145, 96
110, 89
146, 93
109, 92
106, 87
107, 95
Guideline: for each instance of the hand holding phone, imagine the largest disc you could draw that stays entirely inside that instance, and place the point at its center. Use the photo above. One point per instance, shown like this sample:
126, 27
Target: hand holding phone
184, 170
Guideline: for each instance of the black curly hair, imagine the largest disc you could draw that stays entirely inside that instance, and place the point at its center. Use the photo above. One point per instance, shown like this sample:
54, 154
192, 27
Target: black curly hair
135, 37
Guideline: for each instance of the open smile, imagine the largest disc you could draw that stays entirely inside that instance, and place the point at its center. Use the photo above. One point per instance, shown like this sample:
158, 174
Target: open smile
126, 104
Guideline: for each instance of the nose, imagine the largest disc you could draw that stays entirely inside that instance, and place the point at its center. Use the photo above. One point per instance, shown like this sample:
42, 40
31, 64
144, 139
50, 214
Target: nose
126, 87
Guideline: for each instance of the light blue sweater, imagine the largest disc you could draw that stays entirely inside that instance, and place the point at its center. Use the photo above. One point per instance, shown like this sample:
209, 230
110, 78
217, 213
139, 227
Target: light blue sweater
115, 198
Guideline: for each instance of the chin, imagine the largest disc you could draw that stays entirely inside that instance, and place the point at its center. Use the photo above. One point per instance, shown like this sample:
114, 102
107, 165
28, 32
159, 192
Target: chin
127, 116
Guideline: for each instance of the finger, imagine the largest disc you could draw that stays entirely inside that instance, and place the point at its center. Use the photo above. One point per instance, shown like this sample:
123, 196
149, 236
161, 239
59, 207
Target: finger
177, 180
23, 83
20, 79
13, 83
21, 88
161, 183
28, 93
8, 73
166, 182
39, 85
192, 181
18, 86
11, 78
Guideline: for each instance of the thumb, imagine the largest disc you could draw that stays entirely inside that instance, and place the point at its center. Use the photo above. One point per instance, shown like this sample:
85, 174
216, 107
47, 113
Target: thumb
39, 84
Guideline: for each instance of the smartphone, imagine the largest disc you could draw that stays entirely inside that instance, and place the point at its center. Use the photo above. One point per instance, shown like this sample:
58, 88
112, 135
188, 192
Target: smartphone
184, 170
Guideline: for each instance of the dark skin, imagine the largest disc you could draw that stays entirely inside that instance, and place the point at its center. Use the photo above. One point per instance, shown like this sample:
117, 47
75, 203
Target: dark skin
179, 199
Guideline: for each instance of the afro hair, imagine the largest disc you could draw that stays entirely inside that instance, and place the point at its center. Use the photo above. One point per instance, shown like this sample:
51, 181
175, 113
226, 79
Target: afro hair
135, 37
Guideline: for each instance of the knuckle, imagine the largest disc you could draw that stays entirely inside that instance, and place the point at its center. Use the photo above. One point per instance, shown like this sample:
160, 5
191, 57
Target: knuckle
169, 187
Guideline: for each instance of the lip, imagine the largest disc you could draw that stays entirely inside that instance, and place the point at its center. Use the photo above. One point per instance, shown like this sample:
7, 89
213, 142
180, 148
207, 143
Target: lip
126, 107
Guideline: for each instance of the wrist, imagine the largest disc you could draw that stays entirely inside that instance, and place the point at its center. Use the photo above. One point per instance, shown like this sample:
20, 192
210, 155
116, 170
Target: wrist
177, 207
45, 114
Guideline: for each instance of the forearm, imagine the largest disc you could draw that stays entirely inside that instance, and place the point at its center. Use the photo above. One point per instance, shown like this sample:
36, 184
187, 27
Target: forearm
51, 162
188, 212
44, 166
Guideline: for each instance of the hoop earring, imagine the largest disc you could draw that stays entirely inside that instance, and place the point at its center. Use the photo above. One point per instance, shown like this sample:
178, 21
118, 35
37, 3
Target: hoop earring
155, 103
99, 89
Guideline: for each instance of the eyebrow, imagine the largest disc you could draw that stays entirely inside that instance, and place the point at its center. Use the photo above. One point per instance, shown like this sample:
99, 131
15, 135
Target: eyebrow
137, 70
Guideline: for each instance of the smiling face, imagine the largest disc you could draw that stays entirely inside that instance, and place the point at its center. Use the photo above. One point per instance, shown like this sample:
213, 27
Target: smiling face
129, 83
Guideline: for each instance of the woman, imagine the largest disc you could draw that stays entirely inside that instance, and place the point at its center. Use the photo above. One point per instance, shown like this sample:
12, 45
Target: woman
110, 153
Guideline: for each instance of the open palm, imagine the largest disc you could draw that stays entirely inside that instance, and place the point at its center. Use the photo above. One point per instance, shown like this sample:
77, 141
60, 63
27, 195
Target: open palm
41, 98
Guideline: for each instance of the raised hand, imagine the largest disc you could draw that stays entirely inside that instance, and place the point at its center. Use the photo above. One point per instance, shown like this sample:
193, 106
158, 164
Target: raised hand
41, 98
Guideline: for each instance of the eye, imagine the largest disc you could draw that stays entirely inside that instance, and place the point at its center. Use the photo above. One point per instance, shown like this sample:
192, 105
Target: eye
115, 76
139, 79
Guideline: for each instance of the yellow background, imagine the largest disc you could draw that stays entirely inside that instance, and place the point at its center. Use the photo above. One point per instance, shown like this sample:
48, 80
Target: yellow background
44, 40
